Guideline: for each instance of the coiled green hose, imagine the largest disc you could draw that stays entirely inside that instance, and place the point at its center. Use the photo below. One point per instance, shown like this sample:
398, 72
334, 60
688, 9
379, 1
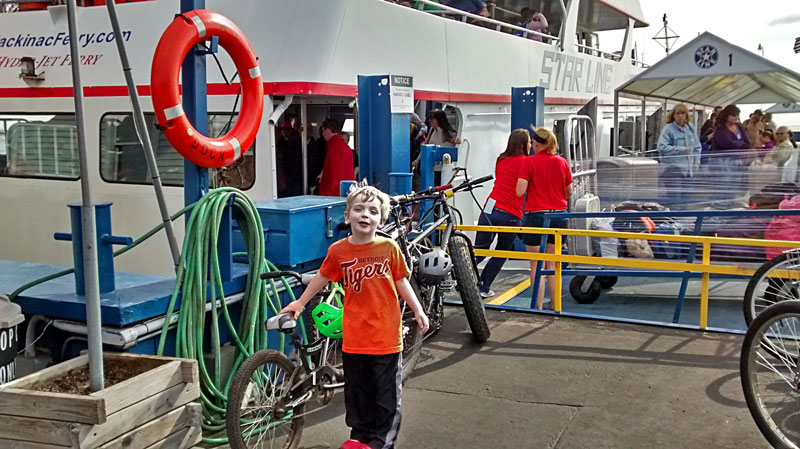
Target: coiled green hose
198, 281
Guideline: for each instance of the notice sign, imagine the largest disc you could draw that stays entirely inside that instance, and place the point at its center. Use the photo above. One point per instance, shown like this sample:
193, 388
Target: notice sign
401, 94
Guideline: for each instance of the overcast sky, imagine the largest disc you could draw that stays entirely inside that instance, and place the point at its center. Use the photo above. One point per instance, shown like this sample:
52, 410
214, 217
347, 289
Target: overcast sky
772, 23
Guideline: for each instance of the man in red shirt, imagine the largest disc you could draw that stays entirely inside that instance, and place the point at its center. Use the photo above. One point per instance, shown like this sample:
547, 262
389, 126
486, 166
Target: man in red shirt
338, 160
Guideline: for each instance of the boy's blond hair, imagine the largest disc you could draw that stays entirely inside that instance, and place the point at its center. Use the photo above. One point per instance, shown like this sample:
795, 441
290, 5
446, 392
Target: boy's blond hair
368, 193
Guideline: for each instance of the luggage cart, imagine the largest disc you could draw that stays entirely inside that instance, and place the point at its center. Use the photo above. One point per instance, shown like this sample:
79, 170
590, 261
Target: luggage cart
589, 282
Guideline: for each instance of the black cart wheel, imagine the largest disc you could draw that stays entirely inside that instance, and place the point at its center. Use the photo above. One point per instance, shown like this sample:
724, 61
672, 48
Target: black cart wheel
584, 294
607, 281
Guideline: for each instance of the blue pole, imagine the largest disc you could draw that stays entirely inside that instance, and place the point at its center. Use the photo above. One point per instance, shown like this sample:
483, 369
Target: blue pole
698, 226
193, 82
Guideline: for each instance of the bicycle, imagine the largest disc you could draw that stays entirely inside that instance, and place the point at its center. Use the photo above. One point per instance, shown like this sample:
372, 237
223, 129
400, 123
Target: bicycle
269, 392
421, 255
775, 281
770, 374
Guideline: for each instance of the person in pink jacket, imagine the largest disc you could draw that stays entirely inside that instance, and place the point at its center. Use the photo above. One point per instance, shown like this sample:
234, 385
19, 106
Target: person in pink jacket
783, 227
537, 23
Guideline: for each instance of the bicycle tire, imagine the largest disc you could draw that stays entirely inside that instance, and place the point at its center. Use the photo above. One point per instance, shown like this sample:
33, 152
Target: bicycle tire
759, 351
412, 342
467, 285
762, 291
427, 302
240, 391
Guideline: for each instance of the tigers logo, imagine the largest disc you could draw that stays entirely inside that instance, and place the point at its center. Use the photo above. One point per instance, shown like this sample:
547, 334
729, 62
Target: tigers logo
355, 276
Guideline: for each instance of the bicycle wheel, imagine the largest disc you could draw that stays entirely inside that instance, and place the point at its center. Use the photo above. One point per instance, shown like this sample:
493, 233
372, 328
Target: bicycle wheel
467, 285
769, 372
257, 415
766, 287
412, 342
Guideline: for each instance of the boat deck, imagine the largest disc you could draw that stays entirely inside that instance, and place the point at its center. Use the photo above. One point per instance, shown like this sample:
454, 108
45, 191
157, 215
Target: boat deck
555, 382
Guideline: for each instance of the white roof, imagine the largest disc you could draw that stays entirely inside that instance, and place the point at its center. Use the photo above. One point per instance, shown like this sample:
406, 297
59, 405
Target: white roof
711, 71
784, 108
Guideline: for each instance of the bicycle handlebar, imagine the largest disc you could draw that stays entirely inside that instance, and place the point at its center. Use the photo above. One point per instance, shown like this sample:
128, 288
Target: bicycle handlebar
474, 182
434, 192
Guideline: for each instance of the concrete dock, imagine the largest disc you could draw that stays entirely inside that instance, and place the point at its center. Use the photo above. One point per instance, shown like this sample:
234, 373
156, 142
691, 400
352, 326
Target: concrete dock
555, 382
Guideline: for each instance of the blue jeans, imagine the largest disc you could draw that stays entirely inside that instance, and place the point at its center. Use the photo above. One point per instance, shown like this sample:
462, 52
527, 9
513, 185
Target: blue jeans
505, 242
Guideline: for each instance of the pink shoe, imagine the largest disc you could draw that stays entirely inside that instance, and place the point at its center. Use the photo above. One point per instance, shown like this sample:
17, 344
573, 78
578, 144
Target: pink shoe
353, 444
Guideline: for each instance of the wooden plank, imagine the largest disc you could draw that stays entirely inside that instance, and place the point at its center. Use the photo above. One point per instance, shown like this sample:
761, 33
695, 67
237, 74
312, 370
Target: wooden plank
190, 415
36, 430
38, 376
13, 444
57, 406
128, 355
127, 419
189, 365
138, 388
191, 372
183, 439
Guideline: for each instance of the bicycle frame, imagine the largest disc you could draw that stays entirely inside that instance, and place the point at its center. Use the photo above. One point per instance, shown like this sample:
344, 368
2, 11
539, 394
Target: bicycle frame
305, 352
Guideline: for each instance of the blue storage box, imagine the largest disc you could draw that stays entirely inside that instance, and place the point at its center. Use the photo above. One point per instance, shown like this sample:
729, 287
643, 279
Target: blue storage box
299, 229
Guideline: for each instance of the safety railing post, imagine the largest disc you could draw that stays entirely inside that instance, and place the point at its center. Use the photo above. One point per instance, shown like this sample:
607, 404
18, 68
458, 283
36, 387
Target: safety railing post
557, 300
704, 288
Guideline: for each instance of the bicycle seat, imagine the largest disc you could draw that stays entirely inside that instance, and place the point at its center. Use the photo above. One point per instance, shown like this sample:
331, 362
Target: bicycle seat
283, 322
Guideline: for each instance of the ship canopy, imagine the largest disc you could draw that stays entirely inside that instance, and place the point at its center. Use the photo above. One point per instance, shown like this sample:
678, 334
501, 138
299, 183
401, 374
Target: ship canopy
711, 71
784, 108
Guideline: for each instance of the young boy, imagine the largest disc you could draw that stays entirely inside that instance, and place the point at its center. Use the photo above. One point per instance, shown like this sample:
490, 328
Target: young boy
373, 271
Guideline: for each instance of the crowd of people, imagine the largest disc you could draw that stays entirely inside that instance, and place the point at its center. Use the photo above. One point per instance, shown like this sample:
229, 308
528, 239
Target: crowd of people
529, 18
728, 147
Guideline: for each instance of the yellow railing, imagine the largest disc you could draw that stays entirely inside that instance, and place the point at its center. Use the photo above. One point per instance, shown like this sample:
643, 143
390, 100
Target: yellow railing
705, 266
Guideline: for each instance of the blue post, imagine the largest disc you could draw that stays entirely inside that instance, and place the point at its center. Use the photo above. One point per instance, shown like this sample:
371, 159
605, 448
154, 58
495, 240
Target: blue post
527, 107
195, 105
698, 227
430, 156
193, 83
344, 187
105, 242
527, 112
384, 148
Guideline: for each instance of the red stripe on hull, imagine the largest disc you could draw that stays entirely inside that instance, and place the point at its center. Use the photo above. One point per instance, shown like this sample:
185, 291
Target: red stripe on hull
281, 88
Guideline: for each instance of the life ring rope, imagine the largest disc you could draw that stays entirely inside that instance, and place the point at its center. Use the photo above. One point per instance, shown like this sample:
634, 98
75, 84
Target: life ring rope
178, 39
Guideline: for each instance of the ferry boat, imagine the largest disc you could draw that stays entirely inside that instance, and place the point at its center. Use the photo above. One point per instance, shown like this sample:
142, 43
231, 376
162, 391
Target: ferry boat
311, 53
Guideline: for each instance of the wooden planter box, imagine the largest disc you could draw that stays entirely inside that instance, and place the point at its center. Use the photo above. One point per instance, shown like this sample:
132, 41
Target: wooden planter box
158, 408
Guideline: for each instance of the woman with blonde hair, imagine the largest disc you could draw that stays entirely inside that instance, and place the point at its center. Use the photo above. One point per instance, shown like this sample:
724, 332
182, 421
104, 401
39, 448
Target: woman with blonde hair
503, 207
678, 154
547, 179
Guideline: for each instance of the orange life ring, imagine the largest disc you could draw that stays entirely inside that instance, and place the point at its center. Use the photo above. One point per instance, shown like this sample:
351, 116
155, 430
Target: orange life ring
182, 35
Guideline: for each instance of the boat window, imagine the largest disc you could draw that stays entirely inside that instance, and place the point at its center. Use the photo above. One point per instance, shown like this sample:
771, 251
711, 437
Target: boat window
39, 146
122, 159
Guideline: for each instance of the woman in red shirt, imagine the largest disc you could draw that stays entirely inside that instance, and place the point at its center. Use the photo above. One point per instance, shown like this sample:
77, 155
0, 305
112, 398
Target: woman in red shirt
503, 207
547, 179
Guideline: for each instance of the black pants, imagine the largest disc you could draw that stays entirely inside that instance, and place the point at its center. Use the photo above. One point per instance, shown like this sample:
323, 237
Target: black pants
372, 388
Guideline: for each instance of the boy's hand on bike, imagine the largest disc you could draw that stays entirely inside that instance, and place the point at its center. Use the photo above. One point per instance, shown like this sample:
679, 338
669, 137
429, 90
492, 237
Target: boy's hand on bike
422, 321
295, 307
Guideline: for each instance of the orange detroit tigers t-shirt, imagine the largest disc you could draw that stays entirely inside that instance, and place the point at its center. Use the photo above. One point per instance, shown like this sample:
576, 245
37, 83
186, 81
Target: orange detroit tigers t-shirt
371, 323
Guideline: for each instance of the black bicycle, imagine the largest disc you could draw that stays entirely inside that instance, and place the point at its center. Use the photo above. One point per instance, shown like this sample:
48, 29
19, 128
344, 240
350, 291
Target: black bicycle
441, 259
